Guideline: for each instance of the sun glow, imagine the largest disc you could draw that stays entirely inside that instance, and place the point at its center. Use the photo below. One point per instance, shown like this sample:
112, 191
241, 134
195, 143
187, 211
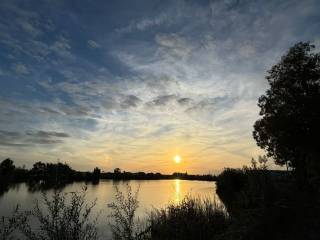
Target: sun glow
177, 159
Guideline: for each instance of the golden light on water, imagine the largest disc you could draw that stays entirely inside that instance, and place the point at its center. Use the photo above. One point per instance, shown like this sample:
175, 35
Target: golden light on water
177, 159
177, 192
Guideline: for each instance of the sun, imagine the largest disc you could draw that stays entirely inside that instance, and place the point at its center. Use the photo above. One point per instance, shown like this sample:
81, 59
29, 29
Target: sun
177, 159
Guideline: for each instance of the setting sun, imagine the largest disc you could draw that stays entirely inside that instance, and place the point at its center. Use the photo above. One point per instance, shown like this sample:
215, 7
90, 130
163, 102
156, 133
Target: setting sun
177, 159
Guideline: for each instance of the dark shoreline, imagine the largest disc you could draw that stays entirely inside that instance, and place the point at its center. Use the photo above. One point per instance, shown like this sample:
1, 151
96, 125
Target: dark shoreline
155, 176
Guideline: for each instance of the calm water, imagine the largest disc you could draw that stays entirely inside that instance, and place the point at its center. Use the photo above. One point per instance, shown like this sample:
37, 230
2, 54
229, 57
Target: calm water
153, 193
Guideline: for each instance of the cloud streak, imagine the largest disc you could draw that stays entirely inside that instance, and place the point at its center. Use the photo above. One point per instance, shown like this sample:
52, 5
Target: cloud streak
134, 86
29, 138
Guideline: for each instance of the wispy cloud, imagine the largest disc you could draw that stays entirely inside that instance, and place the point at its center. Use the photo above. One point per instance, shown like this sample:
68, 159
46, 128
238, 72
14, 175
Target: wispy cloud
20, 68
142, 83
145, 23
29, 138
93, 44
61, 47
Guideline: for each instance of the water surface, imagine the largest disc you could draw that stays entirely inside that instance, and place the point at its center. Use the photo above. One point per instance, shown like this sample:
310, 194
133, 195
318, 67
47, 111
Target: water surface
152, 194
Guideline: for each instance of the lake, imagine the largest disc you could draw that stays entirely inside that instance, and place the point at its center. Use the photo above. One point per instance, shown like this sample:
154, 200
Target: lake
152, 194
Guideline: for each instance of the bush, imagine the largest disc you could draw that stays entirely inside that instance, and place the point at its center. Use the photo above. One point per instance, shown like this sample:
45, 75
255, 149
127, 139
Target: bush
9, 225
193, 218
62, 219
247, 188
125, 226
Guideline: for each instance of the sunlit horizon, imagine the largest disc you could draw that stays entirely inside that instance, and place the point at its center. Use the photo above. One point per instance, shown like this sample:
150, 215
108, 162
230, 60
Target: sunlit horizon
130, 86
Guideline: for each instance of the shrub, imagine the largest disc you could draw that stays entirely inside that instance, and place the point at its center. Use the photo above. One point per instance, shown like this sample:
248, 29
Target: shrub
124, 225
9, 225
247, 188
60, 218
193, 218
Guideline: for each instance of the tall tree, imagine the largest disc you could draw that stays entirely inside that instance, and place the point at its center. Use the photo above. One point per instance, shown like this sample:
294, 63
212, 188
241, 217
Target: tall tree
289, 127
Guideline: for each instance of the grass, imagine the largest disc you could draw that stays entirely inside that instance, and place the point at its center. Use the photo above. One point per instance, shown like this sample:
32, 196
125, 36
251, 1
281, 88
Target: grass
192, 218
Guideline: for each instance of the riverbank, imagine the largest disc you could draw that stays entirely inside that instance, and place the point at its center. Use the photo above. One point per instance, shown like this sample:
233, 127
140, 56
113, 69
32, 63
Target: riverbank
62, 172
257, 204
48, 175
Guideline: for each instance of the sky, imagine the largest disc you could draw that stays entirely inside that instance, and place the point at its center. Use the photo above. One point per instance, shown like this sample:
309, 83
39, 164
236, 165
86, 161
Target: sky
131, 84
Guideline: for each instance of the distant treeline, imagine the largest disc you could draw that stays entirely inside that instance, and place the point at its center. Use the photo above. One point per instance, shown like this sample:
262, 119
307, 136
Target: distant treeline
48, 172
61, 173
117, 174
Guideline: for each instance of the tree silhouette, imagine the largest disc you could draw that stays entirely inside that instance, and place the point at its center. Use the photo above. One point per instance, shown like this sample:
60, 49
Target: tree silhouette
6, 167
289, 127
39, 169
96, 173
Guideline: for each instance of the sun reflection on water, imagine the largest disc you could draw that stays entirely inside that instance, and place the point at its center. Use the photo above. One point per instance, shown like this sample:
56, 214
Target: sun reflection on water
177, 192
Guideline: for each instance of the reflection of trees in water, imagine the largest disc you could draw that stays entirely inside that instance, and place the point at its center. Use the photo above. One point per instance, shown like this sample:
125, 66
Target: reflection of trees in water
4, 187
37, 186
6, 169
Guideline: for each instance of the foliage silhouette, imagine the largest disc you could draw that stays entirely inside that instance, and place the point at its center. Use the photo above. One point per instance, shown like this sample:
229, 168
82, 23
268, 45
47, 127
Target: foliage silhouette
192, 218
10, 174
52, 172
53, 175
123, 210
6, 167
96, 173
250, 187
62, 218
290, 123
9, 225
266, 204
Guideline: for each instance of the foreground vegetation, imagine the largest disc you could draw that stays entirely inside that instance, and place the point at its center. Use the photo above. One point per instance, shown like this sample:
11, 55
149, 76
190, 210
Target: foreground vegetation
67, 216
192, 218
56, 217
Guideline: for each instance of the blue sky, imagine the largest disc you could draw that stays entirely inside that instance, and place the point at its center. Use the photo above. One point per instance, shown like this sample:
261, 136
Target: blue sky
131, 84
